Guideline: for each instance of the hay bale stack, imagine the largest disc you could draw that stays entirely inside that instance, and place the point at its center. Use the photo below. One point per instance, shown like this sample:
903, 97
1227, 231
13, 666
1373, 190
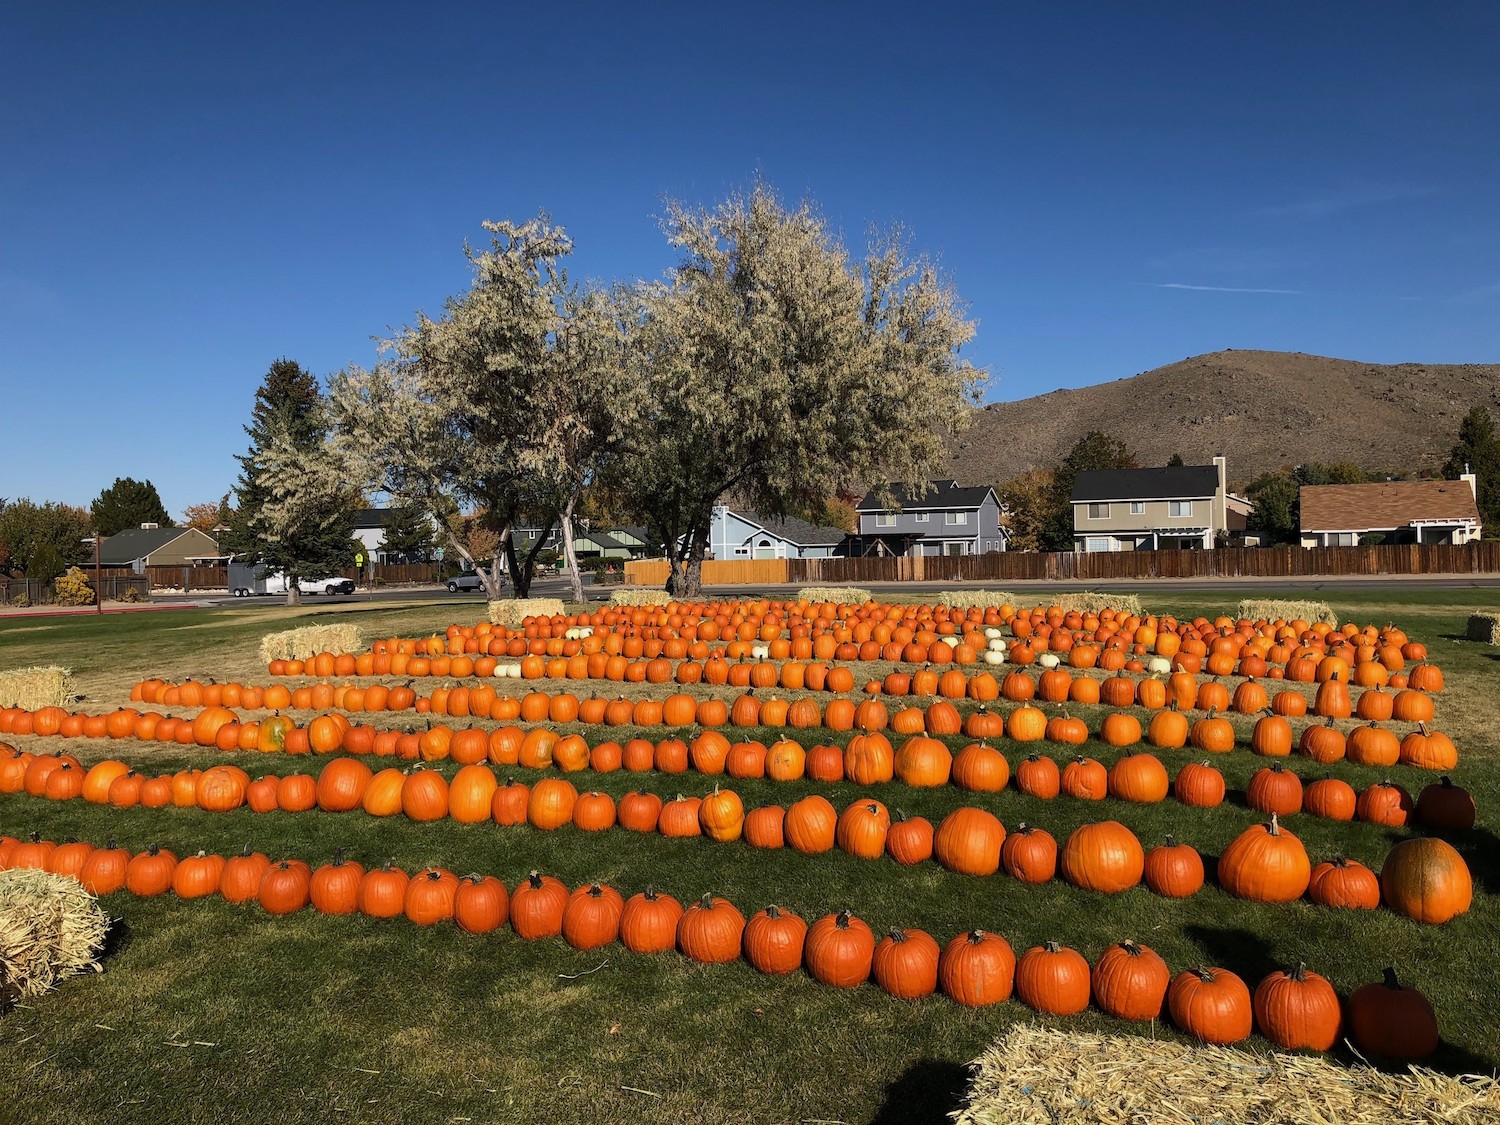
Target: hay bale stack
637, 597
1485, 628
839, 595
1094, 603
512, 612
299, 644
976, 599
35, 688
50, 928
1034, 1074
1270, 609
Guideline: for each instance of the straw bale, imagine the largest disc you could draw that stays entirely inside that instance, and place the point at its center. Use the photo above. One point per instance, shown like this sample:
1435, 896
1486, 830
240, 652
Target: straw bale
513, 611
639, 597
1089, 603
976, 599
35, 688
299, 644
1485, 627
1270, 609
50, 928
1034, 1074
839, 595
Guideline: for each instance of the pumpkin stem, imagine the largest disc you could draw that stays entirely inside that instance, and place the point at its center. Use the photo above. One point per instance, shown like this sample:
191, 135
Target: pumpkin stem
1275, 828
898, 935
842, 921
1300, 972
707, 901
1051, 947
1130, 947
976, 936
1390, 981
535, 878
773, 911
1171, 840
1204, 974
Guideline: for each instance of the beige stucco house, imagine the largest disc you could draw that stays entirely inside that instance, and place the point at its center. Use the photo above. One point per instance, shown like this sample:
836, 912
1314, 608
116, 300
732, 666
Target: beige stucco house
1182, 506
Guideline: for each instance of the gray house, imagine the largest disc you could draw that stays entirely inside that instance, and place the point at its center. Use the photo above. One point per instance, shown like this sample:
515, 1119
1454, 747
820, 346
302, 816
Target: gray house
945, 520
1151, 509
742, 534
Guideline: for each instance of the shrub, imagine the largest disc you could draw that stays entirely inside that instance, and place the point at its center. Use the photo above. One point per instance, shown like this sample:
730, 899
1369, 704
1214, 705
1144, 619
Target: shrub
73, 588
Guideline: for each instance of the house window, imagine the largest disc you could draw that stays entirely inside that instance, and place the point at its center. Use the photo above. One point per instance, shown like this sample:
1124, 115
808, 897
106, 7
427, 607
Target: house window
1344, 539
885, 519
955, 548
1099, 544
1179, 507
955, 518
921, 517
1098, 511
741, 551
1137, 507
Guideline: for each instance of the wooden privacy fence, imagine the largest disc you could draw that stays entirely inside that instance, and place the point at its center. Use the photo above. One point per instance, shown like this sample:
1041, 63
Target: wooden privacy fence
1071, 566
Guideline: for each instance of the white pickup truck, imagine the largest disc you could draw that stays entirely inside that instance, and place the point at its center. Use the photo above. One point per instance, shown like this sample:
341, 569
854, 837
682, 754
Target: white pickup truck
244, 583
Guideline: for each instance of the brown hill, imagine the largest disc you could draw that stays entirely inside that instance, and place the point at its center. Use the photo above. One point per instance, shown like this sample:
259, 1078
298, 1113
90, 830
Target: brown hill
1262, 410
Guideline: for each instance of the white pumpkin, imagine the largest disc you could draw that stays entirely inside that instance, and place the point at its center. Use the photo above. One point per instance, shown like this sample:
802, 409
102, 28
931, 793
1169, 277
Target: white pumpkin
951, 641
1158, 665
1049, 660
994, 656
995, 644
992, 633
760, 652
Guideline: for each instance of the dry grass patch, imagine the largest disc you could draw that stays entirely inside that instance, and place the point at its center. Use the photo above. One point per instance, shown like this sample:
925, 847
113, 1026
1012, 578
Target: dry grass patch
299, 644
513, 612
1037, 1075
1484, 627
50, 928
35, 688
638, 597
1090, 603
1266, 609
838, 595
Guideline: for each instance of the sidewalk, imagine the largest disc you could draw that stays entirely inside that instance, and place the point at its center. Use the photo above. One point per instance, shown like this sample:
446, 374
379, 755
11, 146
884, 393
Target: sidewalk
9, 612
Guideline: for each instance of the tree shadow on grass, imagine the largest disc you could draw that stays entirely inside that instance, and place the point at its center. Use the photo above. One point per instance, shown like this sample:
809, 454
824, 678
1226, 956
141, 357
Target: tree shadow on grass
925, 1094
117, 938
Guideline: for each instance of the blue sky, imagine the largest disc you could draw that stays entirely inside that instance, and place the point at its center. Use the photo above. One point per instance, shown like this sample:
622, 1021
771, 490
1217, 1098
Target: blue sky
189, 191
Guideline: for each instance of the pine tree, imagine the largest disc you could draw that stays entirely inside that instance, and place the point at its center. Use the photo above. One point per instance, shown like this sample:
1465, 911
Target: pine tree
408, 535
295, 503
1093, 451
1477, 451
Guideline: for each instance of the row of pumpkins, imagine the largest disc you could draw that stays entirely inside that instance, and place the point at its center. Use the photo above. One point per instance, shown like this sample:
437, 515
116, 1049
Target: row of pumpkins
1295, 1010
1424, 879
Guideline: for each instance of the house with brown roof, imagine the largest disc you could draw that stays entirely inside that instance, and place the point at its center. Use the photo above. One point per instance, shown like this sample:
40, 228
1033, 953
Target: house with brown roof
1403, 511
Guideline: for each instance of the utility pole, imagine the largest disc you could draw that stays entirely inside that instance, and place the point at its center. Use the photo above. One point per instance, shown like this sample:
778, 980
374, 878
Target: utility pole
98, 585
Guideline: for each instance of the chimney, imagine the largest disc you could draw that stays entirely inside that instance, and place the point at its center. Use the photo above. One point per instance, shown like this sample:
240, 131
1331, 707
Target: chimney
150, 526
1472, 479
1223, 467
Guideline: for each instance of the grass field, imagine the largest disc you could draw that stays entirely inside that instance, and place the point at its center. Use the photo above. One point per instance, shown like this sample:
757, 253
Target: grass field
208, 1011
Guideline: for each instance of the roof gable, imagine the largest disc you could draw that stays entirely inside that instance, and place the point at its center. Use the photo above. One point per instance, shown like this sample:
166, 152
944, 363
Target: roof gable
1177, 482
1387, 505
800, 533
134, 543
945, 494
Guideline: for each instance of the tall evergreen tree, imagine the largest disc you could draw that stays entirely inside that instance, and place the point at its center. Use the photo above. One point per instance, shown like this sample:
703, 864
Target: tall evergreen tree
295, 503
1277, 507
408, 535
1477, 451
128, 503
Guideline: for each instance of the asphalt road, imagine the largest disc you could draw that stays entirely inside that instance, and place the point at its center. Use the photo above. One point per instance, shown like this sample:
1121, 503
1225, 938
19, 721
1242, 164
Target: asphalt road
559, 588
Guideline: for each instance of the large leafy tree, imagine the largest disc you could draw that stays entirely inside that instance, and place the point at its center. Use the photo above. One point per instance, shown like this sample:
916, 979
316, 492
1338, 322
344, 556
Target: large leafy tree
779, 370
502, 408
209, 514
1093, 451
1477, 451
43, 537
128, 503
1026, 501
295, 501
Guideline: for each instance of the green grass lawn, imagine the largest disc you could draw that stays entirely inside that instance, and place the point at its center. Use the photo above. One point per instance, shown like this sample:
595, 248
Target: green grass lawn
208, 1011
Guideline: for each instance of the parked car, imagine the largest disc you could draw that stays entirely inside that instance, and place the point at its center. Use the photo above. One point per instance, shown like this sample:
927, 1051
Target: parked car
465, 583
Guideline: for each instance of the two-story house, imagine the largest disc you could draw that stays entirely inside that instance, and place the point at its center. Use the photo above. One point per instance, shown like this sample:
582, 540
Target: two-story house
945, 520
1152, 509
738, 533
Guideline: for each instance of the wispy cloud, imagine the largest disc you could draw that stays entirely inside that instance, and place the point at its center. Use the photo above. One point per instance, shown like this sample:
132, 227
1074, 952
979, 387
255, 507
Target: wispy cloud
1332, 203
1224, 289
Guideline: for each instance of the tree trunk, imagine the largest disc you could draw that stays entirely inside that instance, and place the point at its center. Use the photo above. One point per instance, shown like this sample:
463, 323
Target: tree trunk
521, 572
491, 580
688, 573
574, 577
293, 590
